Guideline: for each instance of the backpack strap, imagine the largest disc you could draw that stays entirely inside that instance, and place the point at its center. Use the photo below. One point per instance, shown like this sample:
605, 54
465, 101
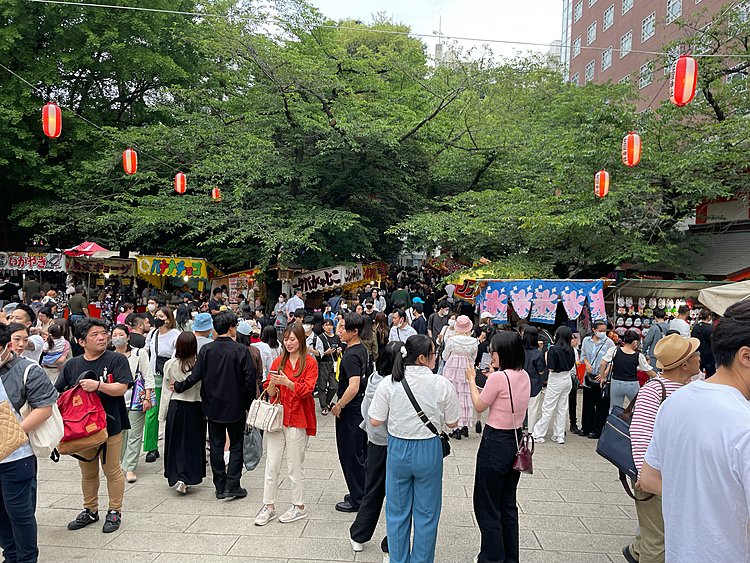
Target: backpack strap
102, 449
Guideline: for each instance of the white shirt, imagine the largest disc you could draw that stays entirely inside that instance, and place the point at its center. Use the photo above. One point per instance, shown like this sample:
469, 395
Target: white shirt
318, 345
435, 394
166, 345
36, 354
266, 356
379, 305
643, 364
682, 326
401, 333
201, 340
701, 445
293, 304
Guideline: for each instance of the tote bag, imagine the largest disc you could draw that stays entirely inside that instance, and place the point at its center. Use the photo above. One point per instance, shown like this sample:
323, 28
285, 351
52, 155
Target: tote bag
45, 438
265, 415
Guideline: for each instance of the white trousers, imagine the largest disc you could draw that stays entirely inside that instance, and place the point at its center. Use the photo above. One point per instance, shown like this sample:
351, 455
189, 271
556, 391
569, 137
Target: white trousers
555, 404
535, 404
294, 441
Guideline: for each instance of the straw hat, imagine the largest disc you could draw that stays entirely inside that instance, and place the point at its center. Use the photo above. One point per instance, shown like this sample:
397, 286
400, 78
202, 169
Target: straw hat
673, 350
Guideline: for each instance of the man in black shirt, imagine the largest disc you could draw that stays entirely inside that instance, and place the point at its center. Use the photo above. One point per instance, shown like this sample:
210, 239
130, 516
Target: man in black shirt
214, 306
8, 291
351, 440
227, 371
108, 374
370, 309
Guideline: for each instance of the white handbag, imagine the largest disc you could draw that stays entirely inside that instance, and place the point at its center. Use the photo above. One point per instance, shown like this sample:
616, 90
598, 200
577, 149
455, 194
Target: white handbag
265, 415
46, 437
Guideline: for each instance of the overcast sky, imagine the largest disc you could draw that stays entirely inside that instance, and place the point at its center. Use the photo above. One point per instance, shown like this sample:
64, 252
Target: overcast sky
538, 21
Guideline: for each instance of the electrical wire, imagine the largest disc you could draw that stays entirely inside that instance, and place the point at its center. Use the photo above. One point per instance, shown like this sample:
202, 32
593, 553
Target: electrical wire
323, 26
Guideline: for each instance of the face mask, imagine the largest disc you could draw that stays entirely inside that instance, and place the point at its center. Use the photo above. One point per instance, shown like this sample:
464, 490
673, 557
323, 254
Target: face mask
119, 341
369, 305
443, 312
307, 328
281, 299
344, 306
600, 334
151, 307
158, 323
452, 323
193, 313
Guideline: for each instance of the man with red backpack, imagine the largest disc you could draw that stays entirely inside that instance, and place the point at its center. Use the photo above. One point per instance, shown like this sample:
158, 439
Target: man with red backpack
107, 374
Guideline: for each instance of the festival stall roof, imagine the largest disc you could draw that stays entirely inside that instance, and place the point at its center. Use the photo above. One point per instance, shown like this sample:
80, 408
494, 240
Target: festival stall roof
669, 289
154, 269
85, 249
719, 298
343, 276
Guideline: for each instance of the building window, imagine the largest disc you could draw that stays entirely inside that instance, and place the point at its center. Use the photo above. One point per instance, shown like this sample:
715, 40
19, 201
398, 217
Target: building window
591, 34
672, 55
648, 28
606, 59
674, 10
703, 40
609, 18
578, 11
591, 3
624, 80
626, 43
626, 5
574, 79
577, 46
590, 71
646, 76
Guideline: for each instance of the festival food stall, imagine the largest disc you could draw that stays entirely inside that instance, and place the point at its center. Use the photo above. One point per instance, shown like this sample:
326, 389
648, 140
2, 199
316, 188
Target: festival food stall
15, 262
164, 272
243, 282
314, 284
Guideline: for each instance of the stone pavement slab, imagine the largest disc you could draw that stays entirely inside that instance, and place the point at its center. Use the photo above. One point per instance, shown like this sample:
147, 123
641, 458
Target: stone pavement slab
573, 509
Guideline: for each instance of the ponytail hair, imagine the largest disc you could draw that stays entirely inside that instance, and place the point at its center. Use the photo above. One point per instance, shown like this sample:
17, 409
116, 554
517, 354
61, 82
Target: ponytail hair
415, 346
55, 331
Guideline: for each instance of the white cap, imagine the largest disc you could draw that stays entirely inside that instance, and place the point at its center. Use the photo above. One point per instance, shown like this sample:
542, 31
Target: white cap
485, 315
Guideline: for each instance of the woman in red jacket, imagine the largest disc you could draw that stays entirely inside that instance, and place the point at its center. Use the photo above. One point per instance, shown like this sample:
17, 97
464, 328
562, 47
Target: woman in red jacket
293, 376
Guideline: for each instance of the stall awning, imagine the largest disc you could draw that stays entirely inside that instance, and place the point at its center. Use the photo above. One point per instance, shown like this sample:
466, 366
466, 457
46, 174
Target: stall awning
719, 298
32, 261
196, 269
335, 276
85, 249
112, 266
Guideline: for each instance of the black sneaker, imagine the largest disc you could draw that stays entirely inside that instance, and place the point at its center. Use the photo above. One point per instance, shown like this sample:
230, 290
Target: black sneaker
152, 456
84, 519
111, 522
574, 429
478, 427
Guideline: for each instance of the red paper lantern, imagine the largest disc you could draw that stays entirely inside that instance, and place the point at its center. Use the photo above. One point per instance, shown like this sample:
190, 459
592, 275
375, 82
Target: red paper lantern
216, 194
130, 161
51, 120
601, 183
684, 77
179, 183
631, 149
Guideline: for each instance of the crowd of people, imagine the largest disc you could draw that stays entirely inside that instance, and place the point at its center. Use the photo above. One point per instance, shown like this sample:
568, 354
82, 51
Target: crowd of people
397, 366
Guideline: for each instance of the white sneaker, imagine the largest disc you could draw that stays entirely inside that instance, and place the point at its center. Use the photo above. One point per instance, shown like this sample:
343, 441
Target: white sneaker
161, 435
386, 558
265, 515
539, 440
293, 514
226, 458
180, 487
357, 546
558, 439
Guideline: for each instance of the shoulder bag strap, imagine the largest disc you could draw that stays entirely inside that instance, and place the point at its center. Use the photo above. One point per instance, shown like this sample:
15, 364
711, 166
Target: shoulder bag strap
420, 413
512, 408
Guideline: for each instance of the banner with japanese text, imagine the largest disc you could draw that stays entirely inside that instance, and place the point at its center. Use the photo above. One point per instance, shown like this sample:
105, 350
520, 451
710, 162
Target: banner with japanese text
112, 266
193, 268
32, 262
328, 278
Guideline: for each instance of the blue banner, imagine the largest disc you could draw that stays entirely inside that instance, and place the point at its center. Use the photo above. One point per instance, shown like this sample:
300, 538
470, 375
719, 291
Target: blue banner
521, 297
573, 298
596, 300
494, 300
546, 297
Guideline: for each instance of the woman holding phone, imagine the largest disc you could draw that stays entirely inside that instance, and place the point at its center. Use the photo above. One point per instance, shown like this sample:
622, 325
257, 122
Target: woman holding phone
292, 378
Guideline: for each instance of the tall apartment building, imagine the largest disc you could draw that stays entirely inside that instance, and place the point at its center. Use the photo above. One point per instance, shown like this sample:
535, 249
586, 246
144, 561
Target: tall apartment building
617, 28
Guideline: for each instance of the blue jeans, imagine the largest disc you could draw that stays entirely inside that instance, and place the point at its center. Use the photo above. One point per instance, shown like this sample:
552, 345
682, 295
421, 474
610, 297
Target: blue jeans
621, 389
413, 488
17, 506
73, 318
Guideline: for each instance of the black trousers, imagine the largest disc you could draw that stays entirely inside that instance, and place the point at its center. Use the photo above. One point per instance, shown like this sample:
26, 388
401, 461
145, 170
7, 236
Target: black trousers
351, 443
573, 407
495, 483
226, 478
364, 525
594, 411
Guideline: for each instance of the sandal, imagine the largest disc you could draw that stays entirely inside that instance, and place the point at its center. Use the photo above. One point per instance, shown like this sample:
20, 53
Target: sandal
324, 412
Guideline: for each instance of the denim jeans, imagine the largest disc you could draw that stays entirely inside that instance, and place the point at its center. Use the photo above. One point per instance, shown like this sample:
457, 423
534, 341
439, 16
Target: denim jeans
621, 389
17, 506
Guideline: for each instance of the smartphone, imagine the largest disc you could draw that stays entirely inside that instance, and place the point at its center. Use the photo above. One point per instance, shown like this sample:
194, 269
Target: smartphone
485, 363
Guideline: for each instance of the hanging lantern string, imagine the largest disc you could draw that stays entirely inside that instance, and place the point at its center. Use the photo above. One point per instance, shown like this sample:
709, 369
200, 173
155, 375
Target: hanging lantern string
79, 116
322, 26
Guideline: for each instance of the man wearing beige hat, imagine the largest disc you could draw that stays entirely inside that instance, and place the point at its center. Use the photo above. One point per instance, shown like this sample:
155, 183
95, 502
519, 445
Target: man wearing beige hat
699, 456
679, 359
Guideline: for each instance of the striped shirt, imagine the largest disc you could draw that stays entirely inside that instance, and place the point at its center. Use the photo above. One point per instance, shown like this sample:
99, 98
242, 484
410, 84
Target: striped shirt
647, 403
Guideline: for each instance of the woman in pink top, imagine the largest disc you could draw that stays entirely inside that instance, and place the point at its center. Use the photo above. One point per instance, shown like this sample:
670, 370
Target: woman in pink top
506, 394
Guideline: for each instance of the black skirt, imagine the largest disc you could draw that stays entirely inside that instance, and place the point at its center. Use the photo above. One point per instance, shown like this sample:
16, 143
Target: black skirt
185, 443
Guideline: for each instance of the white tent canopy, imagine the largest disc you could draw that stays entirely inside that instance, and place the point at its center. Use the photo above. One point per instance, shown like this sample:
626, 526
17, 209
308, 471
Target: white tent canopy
719, 298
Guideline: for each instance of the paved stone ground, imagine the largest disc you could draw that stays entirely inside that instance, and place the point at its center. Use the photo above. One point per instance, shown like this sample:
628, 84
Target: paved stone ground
572, 509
